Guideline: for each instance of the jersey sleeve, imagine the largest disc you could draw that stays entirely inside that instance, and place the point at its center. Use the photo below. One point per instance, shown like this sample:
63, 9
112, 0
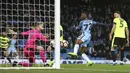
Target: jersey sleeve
80, 24
42, 37
114, 21
27, 32
9, 40
94, 22
125, 24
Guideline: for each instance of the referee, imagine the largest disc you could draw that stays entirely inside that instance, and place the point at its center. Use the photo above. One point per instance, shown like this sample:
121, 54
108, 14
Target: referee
121, 34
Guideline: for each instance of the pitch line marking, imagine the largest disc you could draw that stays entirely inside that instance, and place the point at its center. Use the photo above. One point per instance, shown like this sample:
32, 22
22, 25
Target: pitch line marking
98, 70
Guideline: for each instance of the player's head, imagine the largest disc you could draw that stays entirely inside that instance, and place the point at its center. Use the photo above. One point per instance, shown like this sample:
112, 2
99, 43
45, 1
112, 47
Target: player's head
117, 14
4, 33
83, 14
15, 35
39, 25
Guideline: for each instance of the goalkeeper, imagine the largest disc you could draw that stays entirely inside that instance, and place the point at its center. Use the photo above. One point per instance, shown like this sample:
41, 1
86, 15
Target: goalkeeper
30, 47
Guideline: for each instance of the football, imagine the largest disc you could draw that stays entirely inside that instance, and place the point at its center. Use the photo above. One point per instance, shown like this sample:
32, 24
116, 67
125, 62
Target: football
64, 44
52, 43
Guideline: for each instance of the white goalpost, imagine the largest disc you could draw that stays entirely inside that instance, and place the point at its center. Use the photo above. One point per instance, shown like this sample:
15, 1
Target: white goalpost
17, 16
57, 34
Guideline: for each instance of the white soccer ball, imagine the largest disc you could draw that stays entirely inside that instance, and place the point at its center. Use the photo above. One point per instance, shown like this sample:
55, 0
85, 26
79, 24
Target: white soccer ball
64, 44
52, 43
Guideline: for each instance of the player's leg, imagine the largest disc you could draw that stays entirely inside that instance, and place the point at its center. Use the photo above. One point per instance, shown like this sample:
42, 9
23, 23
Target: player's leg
113, 55
9, 51
43, 56
42, 53
83, 51
122, 43
76, 47
122, 55
6, 55
30, 54
1, 53
14, 51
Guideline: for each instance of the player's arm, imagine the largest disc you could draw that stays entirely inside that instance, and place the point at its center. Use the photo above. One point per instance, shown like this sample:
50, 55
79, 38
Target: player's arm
80, 25
127, 33
112, 31
99, 23
27, 32
42, 37
104, 24
9, 42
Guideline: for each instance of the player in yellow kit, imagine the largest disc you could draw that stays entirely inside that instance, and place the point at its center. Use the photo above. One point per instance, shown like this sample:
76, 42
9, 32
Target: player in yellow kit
121, 34
4, 44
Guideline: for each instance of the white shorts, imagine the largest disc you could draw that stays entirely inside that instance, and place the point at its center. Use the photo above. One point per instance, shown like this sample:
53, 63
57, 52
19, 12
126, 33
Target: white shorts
11, 49
85, 38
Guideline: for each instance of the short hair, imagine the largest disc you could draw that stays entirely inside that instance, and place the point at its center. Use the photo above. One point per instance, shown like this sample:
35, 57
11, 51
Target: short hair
118, 12
84, 12
38, 23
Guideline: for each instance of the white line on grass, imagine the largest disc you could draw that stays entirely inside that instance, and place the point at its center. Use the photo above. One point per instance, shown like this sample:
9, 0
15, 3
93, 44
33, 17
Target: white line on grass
103, 70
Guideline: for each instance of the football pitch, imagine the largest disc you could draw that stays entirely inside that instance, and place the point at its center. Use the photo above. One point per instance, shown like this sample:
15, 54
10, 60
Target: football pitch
78, 68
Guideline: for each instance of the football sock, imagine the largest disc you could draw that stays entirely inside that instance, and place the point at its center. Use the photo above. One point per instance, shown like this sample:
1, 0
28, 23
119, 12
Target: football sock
76, 47
122, 54
113, 56
31, 60
85, 57
25, 64
43, 57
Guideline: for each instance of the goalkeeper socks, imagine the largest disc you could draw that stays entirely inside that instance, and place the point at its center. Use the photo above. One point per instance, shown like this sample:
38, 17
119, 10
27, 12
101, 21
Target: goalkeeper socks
76, 47
43, 57
113, 56
31, 59
85, 57
25, 64
122, 54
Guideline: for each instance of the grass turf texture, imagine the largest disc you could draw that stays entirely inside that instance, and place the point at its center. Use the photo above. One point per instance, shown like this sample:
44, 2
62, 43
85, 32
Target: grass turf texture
78, 68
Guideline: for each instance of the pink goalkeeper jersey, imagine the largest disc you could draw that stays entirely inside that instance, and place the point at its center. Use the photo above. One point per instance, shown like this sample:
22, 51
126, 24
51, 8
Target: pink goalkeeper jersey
33, 35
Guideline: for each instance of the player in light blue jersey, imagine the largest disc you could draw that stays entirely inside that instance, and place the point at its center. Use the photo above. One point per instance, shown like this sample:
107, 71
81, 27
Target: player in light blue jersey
82, 41
12, 47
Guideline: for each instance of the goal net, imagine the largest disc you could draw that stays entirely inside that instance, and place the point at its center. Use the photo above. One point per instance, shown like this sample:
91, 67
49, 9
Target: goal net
27, 28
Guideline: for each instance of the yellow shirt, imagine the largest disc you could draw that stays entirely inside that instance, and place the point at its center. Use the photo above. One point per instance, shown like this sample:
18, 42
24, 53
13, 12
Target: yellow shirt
4, 42
121, 24
61, 33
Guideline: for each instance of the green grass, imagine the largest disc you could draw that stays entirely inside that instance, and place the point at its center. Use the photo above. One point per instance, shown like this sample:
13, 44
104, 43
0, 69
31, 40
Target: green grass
78, 68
